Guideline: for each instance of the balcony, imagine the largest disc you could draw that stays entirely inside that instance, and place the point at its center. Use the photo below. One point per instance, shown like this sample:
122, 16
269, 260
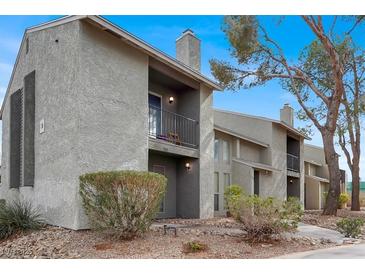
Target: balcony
293, 163
172, 127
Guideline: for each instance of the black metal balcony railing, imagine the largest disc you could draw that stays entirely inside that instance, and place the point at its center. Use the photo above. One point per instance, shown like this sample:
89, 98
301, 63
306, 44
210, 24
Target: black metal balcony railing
172, 127
292, 162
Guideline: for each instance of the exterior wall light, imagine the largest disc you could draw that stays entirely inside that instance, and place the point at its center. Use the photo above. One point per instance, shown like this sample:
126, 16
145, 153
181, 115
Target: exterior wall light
187, 166
171, 99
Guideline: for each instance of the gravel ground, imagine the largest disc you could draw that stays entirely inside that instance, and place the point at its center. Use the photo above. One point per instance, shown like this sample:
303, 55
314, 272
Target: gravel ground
315, 217
54, 242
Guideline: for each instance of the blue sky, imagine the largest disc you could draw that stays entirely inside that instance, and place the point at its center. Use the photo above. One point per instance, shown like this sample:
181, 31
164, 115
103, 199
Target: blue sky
162, 31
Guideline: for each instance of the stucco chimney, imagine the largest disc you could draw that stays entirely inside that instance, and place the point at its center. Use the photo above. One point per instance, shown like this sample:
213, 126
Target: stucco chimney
287, 115
188, 49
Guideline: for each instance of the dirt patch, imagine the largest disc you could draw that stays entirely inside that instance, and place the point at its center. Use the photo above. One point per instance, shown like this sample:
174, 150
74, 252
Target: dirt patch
54, 242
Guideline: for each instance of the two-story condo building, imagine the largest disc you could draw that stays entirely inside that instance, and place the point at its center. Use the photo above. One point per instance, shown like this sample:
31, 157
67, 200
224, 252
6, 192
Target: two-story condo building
317, 177
85, 95
264, 156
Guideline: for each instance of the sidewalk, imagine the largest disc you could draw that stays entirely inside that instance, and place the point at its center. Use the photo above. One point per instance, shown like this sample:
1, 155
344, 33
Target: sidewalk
318, 233
338, 252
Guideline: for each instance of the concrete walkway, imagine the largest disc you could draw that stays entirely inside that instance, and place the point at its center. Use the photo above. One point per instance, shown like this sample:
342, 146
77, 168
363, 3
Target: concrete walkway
338, 252
318, 233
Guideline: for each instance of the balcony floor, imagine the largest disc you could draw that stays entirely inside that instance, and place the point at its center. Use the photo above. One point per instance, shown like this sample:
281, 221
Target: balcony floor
170, 148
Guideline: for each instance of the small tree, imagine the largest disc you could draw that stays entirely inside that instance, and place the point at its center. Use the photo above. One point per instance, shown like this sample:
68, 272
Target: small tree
316, 78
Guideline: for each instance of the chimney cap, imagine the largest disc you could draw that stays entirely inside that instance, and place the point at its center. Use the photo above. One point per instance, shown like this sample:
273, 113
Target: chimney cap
187, 32
287, 105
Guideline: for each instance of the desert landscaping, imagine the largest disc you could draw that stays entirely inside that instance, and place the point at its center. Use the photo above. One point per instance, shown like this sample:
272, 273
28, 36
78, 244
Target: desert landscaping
222, 238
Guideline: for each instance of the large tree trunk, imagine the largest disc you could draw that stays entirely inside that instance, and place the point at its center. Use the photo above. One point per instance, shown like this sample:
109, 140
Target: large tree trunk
355, 201
334, 174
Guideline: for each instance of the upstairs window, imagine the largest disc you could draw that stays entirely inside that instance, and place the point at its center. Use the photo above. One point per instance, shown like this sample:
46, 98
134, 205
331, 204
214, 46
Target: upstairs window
216, 149
226, 151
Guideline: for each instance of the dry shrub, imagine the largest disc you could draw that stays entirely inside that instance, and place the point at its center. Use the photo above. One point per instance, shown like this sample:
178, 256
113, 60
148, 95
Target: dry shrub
122, 203
264, 218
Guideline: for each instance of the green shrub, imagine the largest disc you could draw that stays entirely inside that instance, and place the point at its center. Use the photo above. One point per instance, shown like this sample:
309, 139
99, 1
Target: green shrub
343, 199
18, 216
291, 213
264, 218
232, 196
350, 227
122, 203
193, 247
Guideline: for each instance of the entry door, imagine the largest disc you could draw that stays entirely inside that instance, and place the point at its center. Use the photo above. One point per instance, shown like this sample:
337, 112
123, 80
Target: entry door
155, 115
256, 182
160, 170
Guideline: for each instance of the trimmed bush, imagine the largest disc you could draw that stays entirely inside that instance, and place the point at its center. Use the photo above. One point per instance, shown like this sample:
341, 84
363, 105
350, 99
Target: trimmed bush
122, 203
18, 216
264, 218
350, 227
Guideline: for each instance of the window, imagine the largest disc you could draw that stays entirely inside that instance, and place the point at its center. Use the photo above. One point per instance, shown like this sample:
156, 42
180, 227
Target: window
226, 151
216, 149
227, 179
216, 191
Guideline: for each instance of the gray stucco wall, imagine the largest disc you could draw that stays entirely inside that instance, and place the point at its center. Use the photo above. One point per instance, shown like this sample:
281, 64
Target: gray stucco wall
252, 127
243, 175
312, 198
55, 181
112, 99
277, 186
250, 152
206, 161
94, 112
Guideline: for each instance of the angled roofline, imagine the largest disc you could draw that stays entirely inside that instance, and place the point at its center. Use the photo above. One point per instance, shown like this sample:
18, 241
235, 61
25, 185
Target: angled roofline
317, 178
136, 41
256, 165
312, 162
132, 39
313, 146
238, 135
158, 54
291, 129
